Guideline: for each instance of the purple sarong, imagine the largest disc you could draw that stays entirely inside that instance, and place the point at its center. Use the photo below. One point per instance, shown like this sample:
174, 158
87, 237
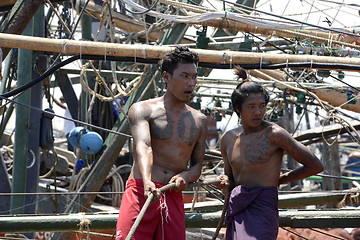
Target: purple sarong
252, 213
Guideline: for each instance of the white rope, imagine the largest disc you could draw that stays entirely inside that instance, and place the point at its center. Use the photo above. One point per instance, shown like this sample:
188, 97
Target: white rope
84, 223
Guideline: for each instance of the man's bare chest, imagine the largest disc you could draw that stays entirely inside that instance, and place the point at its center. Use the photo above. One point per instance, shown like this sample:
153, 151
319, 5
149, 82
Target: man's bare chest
178, 128
254, 149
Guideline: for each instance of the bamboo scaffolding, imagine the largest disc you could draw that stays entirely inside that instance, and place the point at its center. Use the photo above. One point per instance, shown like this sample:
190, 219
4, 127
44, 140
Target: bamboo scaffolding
156, 52
71, 222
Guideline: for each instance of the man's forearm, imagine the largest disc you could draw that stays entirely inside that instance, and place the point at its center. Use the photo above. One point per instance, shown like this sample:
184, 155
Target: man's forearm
192, 173
296, 174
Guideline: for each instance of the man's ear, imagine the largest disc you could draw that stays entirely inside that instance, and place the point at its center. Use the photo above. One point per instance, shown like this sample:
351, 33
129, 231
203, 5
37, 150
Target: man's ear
166, 77
237, 110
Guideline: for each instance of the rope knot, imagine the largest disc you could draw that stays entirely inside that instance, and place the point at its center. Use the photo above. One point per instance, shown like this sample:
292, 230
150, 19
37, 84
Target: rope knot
353, 196
84, 223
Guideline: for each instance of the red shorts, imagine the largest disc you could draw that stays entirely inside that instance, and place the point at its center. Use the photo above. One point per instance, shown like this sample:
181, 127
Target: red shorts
159, 222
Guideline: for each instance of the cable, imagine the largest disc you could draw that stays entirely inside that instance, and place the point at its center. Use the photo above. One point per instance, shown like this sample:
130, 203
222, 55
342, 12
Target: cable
40, 78
348, 4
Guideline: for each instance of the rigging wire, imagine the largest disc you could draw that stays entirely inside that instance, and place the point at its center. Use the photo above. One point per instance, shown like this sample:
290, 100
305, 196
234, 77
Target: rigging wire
347, 4
327, 15
293, 20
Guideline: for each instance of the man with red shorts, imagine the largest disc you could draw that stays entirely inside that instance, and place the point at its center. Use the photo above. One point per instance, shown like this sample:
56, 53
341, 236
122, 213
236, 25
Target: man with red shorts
169, 146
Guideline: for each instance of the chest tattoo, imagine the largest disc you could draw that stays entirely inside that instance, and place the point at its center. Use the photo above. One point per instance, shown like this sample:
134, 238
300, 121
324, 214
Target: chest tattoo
162, 128
186, 129
258, 150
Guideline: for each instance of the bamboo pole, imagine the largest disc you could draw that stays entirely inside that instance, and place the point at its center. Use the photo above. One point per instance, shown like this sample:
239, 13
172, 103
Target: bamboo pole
332, 96
337, 99
266, 74
311, 35
156, 52
73, 222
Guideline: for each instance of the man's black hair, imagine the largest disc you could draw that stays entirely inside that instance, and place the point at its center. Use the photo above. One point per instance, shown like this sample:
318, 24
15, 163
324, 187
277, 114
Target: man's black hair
244, 89
179, 55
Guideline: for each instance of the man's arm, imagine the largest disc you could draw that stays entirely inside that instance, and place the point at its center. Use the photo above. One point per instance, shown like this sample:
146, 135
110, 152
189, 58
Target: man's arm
140, 130
58, 103
196, 161
311, 165
227, 168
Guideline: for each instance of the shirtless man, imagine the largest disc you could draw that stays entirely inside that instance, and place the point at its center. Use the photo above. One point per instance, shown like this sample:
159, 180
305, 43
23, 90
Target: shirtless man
169, 146
252, 155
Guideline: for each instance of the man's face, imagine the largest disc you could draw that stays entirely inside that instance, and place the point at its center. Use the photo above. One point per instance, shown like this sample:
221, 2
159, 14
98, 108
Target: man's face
253, 110
182, 82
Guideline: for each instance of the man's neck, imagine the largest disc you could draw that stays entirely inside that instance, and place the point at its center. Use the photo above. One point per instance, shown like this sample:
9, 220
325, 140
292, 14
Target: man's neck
172, 102
248, 129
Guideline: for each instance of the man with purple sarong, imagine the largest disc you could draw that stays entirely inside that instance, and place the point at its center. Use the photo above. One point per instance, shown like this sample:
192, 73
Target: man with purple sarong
252, 156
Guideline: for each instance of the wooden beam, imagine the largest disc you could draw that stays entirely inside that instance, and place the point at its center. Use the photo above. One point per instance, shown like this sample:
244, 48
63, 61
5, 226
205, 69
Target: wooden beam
156, 52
